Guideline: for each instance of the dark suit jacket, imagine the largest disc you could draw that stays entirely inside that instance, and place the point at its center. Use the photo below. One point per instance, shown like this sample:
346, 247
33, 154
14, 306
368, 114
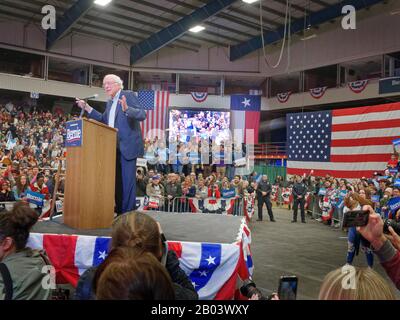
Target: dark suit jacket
129, 137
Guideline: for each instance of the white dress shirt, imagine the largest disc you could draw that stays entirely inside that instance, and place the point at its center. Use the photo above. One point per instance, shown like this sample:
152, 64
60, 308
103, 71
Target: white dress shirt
111, 117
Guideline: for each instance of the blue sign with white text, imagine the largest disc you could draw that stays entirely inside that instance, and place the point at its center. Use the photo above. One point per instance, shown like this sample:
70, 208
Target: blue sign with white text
35, 198
375, 198
394, 204
389, 85
74, 134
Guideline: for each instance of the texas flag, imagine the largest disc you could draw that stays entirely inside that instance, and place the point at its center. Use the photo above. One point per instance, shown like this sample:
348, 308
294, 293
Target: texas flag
246, 117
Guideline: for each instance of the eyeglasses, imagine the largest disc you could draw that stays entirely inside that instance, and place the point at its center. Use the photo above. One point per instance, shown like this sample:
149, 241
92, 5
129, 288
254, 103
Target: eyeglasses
108, 83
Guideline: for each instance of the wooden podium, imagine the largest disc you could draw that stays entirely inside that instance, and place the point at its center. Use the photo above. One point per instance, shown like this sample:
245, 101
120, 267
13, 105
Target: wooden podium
90, 175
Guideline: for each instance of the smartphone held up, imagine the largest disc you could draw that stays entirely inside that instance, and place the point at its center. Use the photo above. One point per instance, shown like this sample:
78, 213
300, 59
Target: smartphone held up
355, 218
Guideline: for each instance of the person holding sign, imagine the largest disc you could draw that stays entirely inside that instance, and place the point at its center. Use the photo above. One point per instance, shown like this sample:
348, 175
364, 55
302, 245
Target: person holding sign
40, 187
123, 112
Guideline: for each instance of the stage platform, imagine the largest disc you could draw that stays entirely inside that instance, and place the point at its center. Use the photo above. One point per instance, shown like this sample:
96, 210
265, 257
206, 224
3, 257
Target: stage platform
176, 227
206, 244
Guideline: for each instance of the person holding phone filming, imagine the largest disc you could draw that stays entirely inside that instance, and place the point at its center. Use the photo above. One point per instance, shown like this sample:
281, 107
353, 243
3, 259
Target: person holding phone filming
385, 246
355, 201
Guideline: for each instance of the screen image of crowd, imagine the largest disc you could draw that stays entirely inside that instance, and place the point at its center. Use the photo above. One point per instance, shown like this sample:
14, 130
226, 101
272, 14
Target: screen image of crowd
32, 146
186, 124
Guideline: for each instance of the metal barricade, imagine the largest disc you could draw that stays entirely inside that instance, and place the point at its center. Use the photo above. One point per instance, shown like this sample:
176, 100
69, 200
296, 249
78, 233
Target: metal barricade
7, 205
234, 206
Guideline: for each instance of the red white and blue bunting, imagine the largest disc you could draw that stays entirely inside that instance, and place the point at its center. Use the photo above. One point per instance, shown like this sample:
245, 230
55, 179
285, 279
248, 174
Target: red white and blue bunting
318, 93
283, 97
358, 86
199, 96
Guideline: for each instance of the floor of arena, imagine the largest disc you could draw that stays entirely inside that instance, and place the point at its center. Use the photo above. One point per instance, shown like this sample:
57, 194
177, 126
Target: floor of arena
308, 250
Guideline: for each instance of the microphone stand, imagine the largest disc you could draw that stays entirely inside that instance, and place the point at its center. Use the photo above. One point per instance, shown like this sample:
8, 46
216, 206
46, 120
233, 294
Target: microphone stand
83, 110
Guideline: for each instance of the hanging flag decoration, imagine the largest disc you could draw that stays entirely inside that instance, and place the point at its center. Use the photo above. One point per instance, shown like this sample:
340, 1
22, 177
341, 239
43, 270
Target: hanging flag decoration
318, 93
358, 86
199, 96
283, 97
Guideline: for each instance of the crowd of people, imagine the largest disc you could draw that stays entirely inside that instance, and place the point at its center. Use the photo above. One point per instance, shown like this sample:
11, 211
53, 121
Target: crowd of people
199, 156
31, 145
199, 125
139, 266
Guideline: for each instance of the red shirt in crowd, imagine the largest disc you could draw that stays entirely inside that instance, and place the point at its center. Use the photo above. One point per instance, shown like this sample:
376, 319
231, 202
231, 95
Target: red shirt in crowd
392, 163
217, 193
43, 190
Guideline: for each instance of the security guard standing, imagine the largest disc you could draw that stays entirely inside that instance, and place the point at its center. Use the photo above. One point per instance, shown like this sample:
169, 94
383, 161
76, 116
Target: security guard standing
263, 196
299, 192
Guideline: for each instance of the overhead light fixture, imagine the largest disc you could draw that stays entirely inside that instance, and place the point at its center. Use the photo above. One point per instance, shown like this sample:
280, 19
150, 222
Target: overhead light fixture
196, 29
102, 2
249, 1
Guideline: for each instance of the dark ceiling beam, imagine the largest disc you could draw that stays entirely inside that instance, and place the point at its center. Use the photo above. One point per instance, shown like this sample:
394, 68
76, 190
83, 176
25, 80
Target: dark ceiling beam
177, 29
79, 28
235, 10
173, 12
105, 22
228, 17
179, 14
67, 20
294, 6
313, 19
321, 3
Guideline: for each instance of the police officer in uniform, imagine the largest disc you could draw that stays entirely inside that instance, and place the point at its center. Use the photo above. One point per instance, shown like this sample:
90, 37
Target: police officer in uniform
299, 192
263, 196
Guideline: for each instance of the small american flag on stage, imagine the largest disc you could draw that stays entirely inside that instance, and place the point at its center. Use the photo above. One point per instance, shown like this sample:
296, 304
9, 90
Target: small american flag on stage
345, 143
155, 103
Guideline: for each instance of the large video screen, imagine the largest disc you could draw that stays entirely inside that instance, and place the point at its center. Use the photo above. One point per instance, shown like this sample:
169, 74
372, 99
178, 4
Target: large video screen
186, 125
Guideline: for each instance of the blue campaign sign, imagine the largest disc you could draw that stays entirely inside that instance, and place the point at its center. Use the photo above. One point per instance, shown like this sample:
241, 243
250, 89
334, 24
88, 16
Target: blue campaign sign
396, 142
74, 133
342, 193
35, 198
322, 192
394, 204
397, 183
375, 198
389, 85
393, 171
228, 193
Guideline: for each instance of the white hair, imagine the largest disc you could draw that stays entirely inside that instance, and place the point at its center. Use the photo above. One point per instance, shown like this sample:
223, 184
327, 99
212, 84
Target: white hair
116, 79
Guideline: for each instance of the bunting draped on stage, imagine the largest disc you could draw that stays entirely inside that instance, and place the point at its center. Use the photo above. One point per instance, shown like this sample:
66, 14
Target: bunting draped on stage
213, 268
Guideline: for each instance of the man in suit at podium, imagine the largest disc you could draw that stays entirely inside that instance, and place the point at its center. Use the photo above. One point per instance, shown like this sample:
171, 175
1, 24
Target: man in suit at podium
123, 112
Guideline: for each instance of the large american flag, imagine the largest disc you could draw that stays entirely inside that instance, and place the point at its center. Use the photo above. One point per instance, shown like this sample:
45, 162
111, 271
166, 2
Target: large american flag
345, 143
155, 103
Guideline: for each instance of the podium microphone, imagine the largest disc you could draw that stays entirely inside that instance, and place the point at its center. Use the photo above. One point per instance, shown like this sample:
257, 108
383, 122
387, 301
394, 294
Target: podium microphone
87, 98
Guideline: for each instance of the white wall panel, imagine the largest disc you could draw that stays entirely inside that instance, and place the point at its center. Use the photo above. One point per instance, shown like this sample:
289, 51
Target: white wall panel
27, 84
35, 37
91, 48
12, 32
122, 54
212, 102
331, 96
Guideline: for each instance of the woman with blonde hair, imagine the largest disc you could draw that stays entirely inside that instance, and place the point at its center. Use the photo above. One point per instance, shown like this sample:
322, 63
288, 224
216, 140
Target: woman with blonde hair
140, 231
366, 284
